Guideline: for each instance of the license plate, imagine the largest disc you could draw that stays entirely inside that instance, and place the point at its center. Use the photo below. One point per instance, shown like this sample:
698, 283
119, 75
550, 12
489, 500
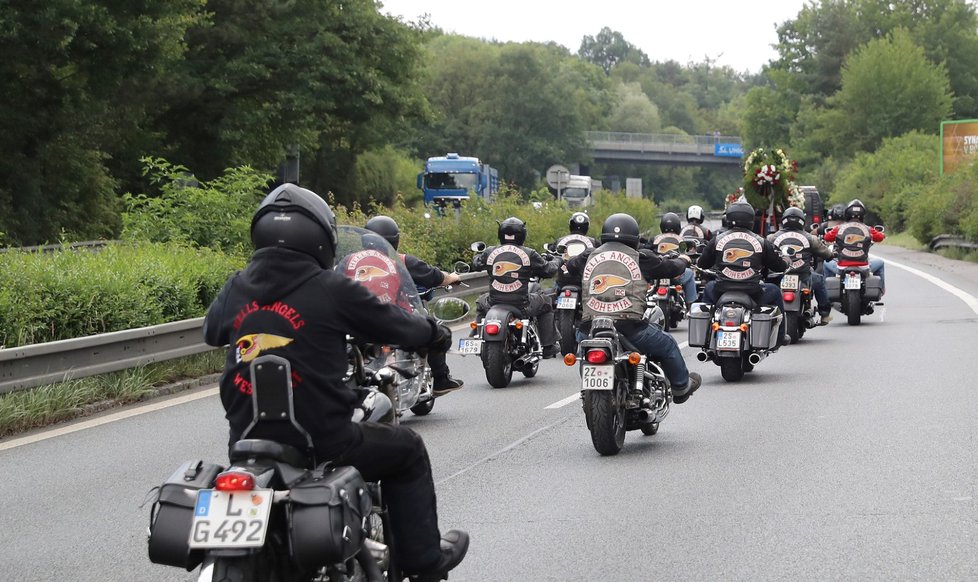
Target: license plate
789, 282
598, 378
470, 346
230, 519
566, 302
728, 340
665, 282
853, 281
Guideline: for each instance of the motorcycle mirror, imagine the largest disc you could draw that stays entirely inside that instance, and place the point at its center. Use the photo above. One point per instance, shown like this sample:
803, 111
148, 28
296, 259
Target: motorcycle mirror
461, 267
880, 228
478, 246
449, 309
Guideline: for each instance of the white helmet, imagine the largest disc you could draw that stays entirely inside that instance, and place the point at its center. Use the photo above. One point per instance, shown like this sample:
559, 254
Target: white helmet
694, 213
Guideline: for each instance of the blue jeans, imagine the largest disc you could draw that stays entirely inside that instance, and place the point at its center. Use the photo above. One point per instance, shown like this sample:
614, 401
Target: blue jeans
831, 269
658, 345
770, 294
817, 282
688, 281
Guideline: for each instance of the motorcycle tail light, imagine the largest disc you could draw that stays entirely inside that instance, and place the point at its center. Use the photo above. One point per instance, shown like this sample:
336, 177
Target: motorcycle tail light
679, 288
743, 327
234, 481
567, 293
570, 359
806, 291
729, 323
662, 291
715, 326
492, 328
597, 356
789, 295
634, 358
473, 325
518, 325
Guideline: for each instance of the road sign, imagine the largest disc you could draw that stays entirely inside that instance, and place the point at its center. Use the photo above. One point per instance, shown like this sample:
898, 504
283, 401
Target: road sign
728, 150
557, 176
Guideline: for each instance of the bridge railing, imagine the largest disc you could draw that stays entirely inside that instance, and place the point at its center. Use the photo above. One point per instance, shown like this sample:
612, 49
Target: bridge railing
658, 138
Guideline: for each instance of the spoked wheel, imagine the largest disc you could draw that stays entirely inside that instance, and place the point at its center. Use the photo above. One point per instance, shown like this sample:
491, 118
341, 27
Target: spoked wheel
650, 428
854, 307
499, 367
732, 369
606, 420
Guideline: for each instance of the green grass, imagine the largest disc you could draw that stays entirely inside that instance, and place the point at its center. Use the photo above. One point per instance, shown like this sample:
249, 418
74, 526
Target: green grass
44, 405
905, 240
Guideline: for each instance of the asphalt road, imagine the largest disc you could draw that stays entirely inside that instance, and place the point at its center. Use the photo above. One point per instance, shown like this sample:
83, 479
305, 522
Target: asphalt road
848, 456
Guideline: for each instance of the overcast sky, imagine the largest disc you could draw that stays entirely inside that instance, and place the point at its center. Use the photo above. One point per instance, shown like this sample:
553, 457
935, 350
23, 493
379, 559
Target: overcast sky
736, 33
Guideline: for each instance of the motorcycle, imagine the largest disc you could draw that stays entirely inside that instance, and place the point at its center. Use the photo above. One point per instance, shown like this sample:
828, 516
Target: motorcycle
799, 312
506, 340
568, 311
668, 294
621, 389
275, 513
855, 291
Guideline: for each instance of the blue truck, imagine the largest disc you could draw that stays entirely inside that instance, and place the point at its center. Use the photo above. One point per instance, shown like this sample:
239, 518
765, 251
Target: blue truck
446, 180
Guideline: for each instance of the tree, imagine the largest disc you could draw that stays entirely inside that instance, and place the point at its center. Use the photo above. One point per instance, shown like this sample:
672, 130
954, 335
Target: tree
634, 113
609, 48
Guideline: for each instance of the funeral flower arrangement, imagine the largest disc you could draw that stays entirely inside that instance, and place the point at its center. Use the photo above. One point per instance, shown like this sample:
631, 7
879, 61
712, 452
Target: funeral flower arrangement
769, 180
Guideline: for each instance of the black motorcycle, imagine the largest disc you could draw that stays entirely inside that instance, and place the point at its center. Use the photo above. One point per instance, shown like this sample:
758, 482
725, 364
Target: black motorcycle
855, 291
799, 311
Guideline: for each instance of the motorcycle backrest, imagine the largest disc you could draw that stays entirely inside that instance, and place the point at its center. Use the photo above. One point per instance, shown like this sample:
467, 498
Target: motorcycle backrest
271, 398
738, 297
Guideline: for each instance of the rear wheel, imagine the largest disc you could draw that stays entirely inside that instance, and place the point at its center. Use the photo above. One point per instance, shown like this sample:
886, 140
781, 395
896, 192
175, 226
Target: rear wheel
568, 332
792, 326
606, 420
499, 366
854, 307
732, 369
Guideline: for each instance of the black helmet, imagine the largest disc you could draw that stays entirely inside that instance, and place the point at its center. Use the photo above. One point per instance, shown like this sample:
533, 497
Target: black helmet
297, 219
856, 210
579, 223
385, 227
837, 212
621, 228
670, 223
374, 241
740, 215
695, 212
793, 219
512, 231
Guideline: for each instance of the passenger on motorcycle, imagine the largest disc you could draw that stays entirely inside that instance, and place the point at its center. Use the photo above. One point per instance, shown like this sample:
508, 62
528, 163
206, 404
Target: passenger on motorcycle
740, 255
670, 240
289, 302
510, 266
619, 270
852, 240
834, 217
806, 247
425, 277
694, 225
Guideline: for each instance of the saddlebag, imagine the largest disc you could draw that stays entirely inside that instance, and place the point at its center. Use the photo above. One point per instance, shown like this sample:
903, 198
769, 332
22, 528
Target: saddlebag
700, 316
834, 287
326, 514
764, 328
874, 288
173, 512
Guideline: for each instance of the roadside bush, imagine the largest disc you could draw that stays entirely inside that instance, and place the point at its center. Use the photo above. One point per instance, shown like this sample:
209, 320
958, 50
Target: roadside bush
947, 206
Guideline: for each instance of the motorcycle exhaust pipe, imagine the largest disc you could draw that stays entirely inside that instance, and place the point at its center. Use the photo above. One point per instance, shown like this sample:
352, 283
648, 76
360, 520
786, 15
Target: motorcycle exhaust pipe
702, 356
756, 358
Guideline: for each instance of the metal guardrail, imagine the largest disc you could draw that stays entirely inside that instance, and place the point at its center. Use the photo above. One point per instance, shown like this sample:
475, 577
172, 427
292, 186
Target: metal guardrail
49, 363
943, 241
659, 138
86, 245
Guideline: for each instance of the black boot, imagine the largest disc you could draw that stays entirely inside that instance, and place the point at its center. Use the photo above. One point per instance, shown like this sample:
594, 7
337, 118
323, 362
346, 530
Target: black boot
454, 545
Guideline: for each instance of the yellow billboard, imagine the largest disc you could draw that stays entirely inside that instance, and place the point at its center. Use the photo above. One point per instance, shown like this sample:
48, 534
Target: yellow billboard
959, 143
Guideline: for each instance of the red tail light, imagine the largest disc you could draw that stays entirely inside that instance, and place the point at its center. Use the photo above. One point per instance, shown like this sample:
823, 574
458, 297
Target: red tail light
789, 295
567, 293
597, 356
729, 323
234, 481
662, 290
492, 328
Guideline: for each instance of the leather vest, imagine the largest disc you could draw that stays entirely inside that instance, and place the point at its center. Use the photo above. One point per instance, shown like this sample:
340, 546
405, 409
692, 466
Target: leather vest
612, 284
801, 244
693, 231
575, 240
510, 271
853, 240
665, 242
740, 256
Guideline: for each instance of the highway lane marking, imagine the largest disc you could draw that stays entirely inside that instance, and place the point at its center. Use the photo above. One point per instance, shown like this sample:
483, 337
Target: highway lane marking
577, 395
122, 415
961, 294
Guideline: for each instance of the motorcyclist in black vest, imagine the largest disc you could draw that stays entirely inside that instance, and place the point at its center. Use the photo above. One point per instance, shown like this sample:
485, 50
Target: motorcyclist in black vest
614, 278
807, 246
289, 302
424, 276
740, 256
833, 218
852, 240
510, 266
669, 240
694, 225
578, 225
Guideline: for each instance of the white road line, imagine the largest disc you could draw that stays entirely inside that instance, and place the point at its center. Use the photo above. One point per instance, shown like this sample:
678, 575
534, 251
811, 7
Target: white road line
147, 408
968, 298
577, 395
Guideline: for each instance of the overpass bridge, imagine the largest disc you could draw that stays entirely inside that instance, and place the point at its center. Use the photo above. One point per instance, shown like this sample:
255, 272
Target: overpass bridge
665, 149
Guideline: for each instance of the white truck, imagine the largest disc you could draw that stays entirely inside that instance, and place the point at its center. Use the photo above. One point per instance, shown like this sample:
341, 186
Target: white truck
577, 191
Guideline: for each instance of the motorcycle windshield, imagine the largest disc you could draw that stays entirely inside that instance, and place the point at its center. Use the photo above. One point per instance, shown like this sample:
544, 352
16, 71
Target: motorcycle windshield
371, 261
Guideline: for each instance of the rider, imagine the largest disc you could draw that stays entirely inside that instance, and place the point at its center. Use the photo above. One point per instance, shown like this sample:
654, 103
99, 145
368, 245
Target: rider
853, 239
510, 266
578, 224
807, 246
834, 217
740, 255
618, 258
670, 240
423, 275
694, 225
289, 301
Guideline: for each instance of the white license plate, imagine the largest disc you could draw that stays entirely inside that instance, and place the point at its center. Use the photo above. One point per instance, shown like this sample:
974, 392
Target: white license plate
566, 302
230, 519
597, 378
470, 346
728, 340
789, 282
853, 282
665, 282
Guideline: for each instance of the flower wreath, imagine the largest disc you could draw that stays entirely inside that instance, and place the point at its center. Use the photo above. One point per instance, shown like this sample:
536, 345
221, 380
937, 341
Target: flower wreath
769, 180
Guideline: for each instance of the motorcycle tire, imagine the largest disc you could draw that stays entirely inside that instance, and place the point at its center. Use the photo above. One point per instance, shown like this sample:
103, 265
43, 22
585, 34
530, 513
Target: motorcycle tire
606, 421
792, 326
674, 318
423, 408
499, 365
568, 331
854, 308
732, 369
650, 428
